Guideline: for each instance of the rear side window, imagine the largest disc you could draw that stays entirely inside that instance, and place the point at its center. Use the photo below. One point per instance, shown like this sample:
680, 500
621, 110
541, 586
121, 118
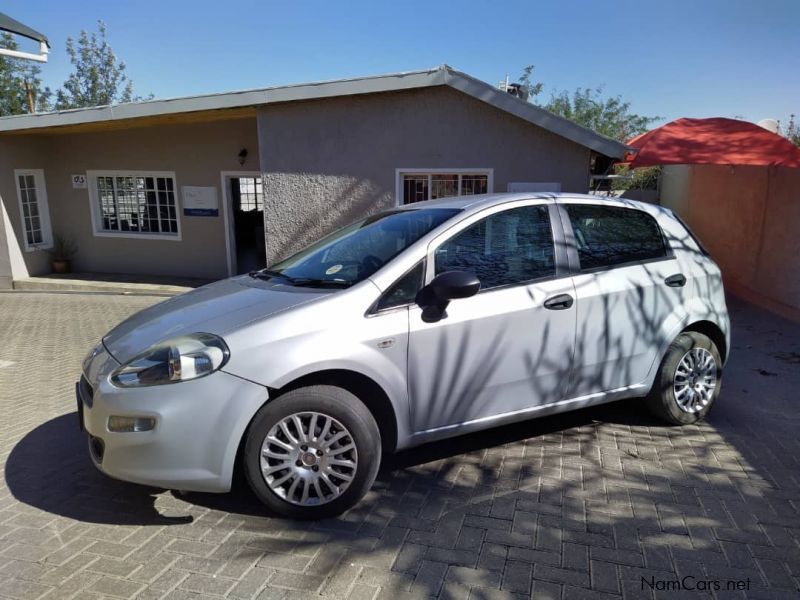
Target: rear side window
607, 236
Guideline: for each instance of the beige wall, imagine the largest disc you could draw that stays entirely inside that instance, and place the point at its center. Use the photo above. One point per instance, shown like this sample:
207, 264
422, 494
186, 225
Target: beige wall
748, 218
197, 153
329, 162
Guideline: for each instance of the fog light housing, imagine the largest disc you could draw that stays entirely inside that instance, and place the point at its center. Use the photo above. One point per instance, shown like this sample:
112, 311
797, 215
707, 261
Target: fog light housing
130, 424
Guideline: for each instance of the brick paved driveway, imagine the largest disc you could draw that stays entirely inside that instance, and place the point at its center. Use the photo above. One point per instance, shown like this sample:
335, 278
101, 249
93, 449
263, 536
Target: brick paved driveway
582, 505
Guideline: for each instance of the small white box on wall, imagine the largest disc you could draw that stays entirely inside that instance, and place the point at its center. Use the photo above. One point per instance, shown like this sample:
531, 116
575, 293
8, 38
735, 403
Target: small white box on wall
200, 201
79, 182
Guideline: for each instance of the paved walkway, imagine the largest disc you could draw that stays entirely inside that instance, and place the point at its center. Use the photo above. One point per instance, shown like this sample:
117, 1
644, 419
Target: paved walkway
601, 503
112, 283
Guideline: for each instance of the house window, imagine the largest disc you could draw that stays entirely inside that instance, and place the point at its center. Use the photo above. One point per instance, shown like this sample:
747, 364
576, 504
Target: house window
418, 185
251, 194
133, 204
33, 209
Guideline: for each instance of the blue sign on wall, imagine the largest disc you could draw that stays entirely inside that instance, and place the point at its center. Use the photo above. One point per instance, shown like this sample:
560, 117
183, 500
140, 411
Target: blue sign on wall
201, 212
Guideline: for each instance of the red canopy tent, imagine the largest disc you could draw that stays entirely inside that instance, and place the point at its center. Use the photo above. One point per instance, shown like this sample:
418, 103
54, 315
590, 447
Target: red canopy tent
714, 141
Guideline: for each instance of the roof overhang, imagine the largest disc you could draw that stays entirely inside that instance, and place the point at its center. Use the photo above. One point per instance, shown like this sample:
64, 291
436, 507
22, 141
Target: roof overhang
14, 27
440, 76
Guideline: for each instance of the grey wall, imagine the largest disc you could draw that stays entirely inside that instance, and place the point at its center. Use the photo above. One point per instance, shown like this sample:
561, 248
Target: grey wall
328, 162
196, 152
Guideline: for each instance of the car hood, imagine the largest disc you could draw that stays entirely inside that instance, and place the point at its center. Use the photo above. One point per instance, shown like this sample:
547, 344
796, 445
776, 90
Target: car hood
217, 308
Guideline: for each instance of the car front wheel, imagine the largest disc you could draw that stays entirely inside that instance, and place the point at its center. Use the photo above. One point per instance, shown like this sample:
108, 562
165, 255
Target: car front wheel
688, 381
312, 453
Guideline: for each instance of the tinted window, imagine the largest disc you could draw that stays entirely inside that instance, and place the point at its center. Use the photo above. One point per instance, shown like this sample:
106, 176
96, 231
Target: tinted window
405, 289
506, 248
608, 235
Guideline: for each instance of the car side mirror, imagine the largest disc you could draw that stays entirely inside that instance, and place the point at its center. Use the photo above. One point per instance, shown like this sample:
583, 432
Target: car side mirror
451, 285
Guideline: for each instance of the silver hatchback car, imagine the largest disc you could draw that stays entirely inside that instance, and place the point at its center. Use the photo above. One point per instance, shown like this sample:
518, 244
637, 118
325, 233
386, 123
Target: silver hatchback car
415, 324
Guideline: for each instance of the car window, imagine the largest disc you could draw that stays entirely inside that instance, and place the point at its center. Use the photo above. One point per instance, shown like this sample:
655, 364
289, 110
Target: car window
506, 248
608, 235
404, 290
354, 253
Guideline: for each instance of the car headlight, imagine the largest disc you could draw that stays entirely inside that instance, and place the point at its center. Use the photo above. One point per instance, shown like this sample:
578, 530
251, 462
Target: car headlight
179, 359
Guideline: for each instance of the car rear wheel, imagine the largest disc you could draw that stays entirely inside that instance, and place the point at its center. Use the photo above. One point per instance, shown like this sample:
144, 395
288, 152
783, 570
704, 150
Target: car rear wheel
312, 453
688, 381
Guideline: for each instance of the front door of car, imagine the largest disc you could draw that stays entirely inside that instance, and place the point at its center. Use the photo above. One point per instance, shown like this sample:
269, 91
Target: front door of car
501, 350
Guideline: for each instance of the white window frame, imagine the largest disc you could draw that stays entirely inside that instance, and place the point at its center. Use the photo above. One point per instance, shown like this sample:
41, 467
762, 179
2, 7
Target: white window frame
94, 205
400, 173
45, 225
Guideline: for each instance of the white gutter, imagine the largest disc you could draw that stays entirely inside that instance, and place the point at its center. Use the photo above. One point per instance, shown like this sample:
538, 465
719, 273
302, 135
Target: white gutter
41, 57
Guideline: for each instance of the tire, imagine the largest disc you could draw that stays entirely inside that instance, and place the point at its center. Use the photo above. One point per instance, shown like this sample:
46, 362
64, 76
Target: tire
323, 489
673, 398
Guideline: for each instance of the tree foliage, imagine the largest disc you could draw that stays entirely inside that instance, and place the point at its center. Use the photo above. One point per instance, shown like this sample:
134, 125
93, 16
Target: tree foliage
793, 131
610, 117
98, 78
589, 107
17, 78
533, 88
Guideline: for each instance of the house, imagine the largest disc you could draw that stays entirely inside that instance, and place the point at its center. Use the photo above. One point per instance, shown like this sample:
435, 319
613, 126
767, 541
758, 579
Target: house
210, 186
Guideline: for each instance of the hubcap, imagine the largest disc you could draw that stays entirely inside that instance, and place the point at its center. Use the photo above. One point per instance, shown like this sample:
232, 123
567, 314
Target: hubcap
308, 458
695, 380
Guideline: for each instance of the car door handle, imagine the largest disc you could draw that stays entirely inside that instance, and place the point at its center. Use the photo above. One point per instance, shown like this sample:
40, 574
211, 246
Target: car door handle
560, 302
676, 280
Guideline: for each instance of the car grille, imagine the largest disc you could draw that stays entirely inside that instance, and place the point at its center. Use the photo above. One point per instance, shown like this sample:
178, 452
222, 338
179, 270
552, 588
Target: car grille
87, 393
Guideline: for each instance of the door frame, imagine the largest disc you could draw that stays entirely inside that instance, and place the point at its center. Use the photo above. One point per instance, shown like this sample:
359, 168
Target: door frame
227, 214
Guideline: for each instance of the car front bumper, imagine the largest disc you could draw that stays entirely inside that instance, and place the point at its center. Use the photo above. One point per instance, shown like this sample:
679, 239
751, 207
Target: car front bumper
197, 430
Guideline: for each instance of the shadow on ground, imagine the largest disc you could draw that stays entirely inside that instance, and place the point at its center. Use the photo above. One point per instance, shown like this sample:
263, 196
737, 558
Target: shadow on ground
50, 468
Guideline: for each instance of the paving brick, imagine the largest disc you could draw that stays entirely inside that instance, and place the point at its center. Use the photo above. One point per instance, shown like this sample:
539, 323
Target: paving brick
465, 558
119, 588
474, 577
559, 575
604, 576
204, 584
304, 582
429, 579
517, 577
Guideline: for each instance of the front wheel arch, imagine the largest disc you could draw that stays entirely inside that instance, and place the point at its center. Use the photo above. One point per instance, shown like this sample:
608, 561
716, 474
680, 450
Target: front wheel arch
362, 387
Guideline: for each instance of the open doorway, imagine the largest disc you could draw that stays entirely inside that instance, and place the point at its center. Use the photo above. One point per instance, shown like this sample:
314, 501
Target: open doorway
244, 211
244, 194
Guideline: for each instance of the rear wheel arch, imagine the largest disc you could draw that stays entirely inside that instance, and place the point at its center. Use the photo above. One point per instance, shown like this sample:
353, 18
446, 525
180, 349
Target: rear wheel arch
364, 388
713, 332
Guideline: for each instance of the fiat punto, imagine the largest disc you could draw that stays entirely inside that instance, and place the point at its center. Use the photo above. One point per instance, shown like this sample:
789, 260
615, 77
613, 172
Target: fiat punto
415, 324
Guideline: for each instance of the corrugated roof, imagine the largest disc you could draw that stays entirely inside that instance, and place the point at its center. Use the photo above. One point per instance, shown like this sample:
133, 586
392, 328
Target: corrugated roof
443, 75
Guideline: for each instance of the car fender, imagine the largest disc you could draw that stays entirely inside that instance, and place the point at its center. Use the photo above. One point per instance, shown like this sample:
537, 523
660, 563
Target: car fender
696, 309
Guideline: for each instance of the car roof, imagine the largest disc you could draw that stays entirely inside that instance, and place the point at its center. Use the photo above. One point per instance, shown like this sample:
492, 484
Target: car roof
479, 202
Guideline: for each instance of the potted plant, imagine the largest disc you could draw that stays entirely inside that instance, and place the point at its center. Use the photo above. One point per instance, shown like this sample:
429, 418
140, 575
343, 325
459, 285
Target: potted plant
63, 249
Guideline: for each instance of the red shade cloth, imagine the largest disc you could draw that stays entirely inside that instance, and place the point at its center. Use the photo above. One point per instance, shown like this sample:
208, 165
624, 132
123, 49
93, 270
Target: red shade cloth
715, 141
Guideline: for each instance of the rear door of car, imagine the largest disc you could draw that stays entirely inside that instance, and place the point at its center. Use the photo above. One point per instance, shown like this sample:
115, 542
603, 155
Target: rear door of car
627, 282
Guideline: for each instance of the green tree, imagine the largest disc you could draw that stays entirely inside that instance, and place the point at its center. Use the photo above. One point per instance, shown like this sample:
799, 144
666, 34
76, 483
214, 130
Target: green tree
534, 88
21, 88
98, 78
609, 116
793, 131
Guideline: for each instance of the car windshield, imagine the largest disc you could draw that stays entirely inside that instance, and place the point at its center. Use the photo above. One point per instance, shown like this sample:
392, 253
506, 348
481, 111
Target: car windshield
355, 252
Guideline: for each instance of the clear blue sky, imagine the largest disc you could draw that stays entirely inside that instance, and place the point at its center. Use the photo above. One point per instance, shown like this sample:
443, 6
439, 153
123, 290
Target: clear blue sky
670, 58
